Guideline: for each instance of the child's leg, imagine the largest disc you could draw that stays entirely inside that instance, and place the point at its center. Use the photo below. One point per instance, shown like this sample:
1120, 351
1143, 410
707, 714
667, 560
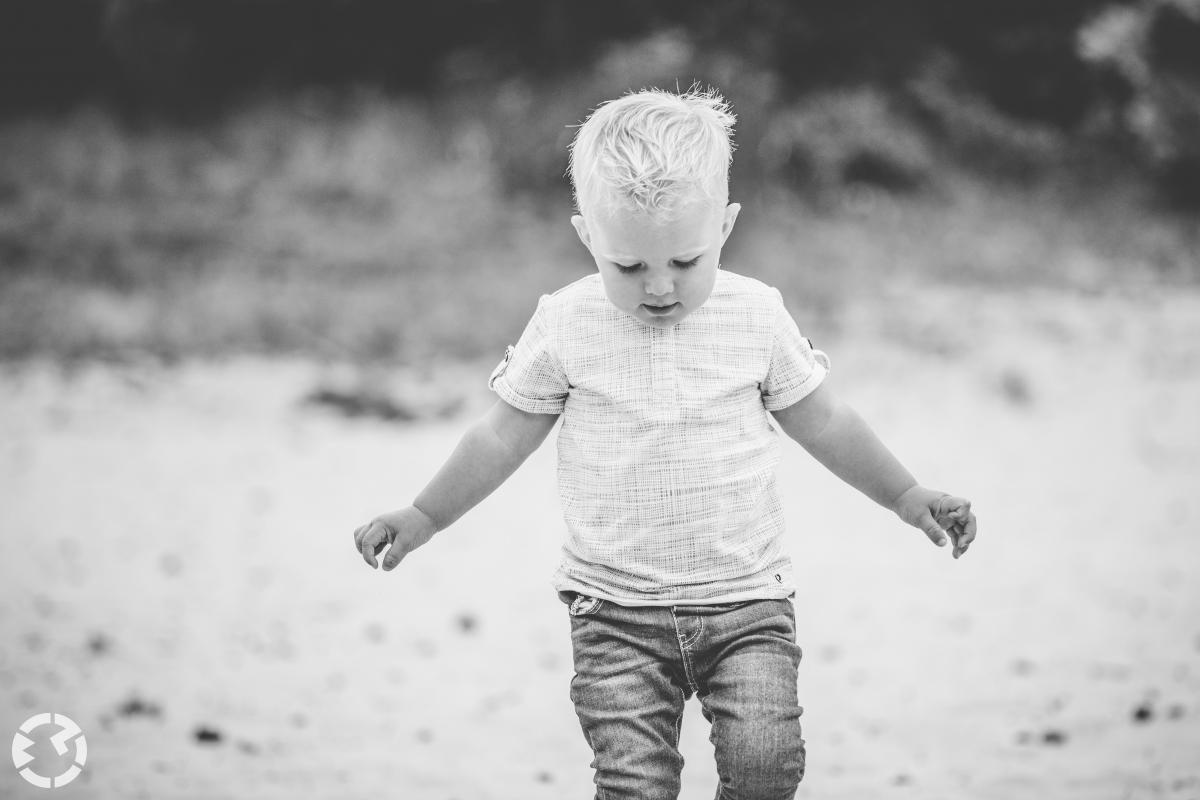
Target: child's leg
629, 695
745, 672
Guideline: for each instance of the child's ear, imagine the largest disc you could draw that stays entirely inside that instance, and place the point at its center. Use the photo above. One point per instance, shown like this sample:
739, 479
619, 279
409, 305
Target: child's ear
581, 228
731, 214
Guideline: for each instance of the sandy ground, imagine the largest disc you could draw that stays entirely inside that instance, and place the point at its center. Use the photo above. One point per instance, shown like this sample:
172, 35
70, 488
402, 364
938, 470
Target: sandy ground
178, 576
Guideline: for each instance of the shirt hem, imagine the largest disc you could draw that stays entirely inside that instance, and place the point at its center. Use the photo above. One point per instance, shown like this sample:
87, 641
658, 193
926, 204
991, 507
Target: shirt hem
766, 592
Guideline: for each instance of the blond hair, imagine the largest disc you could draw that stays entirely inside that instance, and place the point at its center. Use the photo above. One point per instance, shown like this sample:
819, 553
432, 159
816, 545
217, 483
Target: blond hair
653, 151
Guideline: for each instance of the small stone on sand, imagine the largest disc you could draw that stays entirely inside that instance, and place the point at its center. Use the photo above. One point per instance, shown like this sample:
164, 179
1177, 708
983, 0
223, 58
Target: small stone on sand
375, 633
1053, 736
170, 564
137, 707
1014, 387
99, 644
206, 735
1022, 667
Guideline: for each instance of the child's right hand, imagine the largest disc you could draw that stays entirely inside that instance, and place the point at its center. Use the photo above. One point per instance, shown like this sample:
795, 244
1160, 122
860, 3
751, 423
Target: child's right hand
404, 530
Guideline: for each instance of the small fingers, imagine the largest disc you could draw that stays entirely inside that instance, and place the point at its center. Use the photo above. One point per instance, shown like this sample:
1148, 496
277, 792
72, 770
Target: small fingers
966, 533
373, 538
954, 514
372, 541
956, 508
931, 529
968, 526
959, 549
960, 511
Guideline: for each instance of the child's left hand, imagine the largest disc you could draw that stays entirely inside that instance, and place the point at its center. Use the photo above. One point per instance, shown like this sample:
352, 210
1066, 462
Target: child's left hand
939, 515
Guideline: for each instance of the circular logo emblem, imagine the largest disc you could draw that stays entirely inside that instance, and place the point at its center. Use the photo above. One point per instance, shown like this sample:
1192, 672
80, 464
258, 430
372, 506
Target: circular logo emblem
66, 732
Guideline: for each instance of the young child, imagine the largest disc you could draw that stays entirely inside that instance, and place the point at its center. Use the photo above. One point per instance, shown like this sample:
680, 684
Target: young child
671, 376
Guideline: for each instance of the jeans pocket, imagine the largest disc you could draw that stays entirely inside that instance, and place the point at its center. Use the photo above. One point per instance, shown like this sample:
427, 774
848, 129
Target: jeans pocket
583, 605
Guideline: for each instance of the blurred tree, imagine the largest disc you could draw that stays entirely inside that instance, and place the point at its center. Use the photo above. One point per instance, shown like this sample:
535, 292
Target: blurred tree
1020, 54
1154, 48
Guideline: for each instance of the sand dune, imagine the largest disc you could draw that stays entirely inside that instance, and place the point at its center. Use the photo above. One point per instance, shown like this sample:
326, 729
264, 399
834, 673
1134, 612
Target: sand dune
178, 576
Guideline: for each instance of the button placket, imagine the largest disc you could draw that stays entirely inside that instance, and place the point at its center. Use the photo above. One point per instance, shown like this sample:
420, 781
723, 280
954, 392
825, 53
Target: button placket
664, 382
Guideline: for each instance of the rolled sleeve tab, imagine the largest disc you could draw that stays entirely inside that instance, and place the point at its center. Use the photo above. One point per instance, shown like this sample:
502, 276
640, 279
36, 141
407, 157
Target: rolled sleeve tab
530, 376
796, 367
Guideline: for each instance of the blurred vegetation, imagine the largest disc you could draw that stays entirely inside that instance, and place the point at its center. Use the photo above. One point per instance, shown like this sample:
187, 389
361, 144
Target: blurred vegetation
351, 179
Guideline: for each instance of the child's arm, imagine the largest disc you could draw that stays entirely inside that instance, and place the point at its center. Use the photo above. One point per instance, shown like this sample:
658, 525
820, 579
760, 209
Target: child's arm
834, 434
488, 453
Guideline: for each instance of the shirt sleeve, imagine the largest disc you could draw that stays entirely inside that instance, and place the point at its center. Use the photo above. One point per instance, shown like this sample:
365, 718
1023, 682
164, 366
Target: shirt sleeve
796, 368
530, 377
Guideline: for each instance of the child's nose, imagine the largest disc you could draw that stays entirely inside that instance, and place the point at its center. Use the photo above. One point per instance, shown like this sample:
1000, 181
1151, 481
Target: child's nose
659, 285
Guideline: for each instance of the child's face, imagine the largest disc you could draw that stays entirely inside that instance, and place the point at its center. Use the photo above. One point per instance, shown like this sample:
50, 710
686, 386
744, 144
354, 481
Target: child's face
658, 272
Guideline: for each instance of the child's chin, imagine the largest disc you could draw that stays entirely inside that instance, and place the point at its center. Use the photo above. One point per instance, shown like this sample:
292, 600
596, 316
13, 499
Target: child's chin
668, 321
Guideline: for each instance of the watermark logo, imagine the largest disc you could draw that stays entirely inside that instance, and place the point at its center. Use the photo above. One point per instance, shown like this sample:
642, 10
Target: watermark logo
68, 731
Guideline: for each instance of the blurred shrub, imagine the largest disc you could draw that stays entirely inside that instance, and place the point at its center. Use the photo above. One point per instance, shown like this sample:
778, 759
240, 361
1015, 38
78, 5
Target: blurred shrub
1154, 48
344, 225
837, 138
973, 134
360, 226
1018, 56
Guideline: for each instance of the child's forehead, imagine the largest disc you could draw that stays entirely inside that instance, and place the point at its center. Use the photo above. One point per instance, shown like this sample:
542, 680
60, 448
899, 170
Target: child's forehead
630, 232
689, 205
633, 218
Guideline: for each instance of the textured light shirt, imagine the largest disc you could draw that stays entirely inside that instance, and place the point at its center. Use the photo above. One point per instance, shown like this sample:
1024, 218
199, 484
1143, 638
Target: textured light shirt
666, 454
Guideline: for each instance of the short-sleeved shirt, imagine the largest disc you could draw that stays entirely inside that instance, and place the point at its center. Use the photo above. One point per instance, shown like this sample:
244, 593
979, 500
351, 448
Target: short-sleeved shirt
666, 454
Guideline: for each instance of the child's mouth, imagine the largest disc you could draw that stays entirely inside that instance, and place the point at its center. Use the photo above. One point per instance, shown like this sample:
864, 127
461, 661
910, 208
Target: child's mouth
660, 311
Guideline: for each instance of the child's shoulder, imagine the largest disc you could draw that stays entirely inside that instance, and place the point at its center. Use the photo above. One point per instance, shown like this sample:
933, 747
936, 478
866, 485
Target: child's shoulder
585, 288
732, 287
585, 292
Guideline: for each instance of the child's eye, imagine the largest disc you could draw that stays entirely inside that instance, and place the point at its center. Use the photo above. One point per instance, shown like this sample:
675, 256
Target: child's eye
628, 269
691, 263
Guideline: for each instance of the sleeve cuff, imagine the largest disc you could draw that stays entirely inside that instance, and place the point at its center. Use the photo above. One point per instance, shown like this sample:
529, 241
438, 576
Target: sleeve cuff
528, 404
778, 402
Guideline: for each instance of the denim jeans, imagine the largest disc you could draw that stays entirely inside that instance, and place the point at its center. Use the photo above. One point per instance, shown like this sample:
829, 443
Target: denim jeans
635, 667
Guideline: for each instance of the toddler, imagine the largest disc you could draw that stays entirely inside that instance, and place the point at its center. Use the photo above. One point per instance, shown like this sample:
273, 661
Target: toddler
671, 376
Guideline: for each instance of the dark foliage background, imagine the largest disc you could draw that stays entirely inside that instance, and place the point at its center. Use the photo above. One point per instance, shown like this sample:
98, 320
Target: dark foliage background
291, 159
185, 56
177, 55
